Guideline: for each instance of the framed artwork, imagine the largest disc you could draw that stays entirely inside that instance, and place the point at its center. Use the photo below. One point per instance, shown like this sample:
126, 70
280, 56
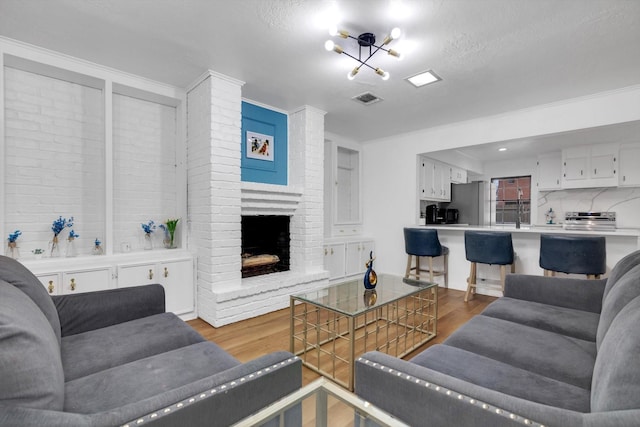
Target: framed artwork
260, 146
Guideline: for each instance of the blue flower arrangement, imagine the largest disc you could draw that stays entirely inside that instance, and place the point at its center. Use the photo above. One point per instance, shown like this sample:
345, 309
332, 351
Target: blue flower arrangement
149, 227
73, 234
97, 242
14, 236
59, 225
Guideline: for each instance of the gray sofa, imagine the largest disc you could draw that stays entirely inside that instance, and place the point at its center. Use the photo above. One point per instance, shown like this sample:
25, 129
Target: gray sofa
552, 351
116, 358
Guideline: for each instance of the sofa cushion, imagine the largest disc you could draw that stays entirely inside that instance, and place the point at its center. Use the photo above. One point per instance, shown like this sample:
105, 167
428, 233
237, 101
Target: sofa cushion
145, 378
94, 351
11, 271
556, 356
624, 290
30, 367
503, 377
616, 375
620, 269
565, 321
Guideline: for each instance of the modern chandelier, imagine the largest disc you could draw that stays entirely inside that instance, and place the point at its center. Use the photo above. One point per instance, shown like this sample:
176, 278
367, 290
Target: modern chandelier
365, 40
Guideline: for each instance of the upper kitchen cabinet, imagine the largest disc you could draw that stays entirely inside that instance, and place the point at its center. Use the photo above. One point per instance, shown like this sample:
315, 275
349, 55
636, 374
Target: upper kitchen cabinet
549, 170
457, 175
590, 166
343, 177
629, 175
434, 180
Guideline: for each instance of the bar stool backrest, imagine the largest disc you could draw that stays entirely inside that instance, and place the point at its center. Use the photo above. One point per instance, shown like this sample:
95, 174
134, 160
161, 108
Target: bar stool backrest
422, 242
488, 247
573, 254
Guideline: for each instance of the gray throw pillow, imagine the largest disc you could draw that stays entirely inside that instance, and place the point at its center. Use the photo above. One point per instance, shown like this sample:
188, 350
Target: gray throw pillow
11, 271
31, 372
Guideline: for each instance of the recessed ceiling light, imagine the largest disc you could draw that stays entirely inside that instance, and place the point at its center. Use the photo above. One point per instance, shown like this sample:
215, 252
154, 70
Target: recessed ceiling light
502, 149
423, 78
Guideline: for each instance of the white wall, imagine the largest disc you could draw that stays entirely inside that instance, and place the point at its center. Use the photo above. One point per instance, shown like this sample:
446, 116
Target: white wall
390, 201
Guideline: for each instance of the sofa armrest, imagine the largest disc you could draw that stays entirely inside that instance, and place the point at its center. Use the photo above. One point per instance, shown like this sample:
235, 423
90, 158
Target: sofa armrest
578, 294
421, 396
93, 310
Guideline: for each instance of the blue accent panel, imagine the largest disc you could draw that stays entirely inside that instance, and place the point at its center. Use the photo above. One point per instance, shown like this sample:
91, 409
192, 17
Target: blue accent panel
265, 122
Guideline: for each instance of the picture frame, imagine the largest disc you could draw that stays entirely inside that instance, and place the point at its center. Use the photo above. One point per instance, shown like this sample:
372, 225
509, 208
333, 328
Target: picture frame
260, 146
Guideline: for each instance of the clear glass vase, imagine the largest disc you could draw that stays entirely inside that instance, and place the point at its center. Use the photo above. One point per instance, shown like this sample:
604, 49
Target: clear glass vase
13, 251
54, 247
148, 244
70, 250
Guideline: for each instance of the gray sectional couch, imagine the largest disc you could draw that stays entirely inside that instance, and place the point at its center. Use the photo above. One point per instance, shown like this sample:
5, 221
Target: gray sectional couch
116, 358
552, 352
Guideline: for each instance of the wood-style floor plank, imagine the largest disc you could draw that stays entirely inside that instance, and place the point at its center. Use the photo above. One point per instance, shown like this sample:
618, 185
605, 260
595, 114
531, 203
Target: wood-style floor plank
252, 338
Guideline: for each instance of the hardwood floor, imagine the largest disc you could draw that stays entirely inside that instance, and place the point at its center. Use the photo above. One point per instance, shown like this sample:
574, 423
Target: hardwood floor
251, 338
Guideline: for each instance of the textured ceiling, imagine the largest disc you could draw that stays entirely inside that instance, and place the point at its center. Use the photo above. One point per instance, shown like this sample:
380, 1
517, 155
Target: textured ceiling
493, 55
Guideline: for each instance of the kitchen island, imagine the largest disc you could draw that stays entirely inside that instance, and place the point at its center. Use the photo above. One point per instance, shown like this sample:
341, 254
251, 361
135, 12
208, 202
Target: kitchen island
526, 244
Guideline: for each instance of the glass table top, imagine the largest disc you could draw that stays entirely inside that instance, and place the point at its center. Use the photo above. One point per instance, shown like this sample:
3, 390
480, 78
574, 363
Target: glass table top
352, 299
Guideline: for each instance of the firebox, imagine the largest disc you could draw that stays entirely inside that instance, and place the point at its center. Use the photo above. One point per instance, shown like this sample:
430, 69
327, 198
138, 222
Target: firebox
265, 244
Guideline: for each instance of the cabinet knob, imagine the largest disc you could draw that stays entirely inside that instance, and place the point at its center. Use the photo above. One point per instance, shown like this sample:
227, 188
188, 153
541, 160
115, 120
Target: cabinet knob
326, 251
50, 287
331, 251
150, 274
73, 284
166, 272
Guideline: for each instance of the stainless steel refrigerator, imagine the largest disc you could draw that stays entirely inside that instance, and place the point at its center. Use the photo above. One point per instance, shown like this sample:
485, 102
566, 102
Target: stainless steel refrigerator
473, 202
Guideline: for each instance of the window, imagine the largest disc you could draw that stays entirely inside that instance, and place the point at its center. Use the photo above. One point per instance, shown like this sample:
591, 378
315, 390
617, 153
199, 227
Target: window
506, 197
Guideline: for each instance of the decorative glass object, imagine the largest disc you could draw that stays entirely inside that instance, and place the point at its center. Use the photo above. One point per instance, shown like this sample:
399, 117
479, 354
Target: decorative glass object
13, 251
97, 248
169, 228
57, 226
38, 253
70, 250
148, 244
370, 277
54, 247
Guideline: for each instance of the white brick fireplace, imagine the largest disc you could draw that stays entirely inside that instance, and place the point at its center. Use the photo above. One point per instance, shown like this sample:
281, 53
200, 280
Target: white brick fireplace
217, 199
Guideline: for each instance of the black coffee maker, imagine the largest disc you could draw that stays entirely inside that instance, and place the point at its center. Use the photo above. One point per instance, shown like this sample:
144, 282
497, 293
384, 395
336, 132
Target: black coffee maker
432, 214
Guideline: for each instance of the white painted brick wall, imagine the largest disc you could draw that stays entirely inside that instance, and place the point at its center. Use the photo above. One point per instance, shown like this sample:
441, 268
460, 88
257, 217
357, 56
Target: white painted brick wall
54, 158
144, 172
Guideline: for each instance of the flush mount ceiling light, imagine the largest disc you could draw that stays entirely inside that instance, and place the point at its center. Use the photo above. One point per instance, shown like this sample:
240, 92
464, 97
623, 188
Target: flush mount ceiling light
365, 40
423, 78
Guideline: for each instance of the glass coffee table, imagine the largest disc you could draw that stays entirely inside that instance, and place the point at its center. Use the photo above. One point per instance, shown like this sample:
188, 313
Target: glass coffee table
332, 326
321, 404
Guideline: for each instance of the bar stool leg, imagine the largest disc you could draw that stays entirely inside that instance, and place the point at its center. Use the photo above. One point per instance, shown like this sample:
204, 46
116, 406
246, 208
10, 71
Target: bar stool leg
471, 281
503, 276
431, 269
446, 270
408, 272
417, 267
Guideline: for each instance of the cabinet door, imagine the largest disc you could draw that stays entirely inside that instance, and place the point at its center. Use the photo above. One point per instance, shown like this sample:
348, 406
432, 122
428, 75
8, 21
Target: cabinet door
86, 281
177, 279
549, 171
603, 163
354, 257
334, 260
137, 275
51, 282
458, 175
629, 170
427, 190
575, 164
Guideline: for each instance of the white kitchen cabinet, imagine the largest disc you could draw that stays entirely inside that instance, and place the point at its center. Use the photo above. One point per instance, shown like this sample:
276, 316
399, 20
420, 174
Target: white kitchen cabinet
51, 282
343, 177
629, 175
458, 175
590, 166
434, 180
175, 276
549, 171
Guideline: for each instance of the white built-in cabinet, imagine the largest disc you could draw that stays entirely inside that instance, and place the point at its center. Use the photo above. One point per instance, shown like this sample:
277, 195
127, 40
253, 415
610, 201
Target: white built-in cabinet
458, 175
105, 147
434, 179
347, 258
629, 165
590, 166
549, 171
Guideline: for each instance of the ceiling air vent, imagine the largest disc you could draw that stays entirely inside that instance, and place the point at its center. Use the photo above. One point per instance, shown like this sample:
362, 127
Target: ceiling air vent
366, 98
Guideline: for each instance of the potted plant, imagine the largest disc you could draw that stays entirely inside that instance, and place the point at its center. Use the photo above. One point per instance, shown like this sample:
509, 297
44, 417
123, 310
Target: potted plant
170, 228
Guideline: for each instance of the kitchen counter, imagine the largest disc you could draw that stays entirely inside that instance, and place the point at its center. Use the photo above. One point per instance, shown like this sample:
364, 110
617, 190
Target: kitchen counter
537, 229
526, 244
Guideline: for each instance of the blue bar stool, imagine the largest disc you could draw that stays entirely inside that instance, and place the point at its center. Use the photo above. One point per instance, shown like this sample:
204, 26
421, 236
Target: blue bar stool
488, 247
573, 254
424, 242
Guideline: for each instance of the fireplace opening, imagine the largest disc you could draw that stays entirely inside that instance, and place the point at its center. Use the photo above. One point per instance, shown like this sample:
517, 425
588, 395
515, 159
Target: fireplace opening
265, 244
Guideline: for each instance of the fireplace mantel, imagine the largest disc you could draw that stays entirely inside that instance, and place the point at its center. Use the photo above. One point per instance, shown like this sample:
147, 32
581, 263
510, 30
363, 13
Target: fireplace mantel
269, 199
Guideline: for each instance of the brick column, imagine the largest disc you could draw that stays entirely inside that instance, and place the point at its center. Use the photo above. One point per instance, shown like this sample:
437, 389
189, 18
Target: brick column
306, 163
213, 162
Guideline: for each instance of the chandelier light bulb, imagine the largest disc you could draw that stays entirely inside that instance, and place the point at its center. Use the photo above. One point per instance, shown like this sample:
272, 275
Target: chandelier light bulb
382, 73
395, 33
352, 74
395, 53
329, 44
333, 31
